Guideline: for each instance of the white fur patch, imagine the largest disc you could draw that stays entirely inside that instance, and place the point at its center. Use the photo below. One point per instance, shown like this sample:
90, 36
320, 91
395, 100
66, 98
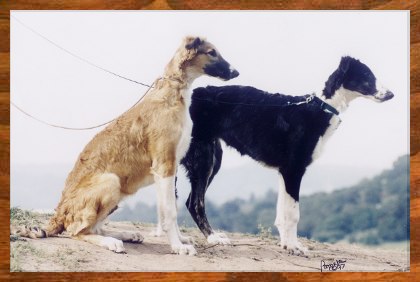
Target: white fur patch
279, 222
334, 123
381, 91
291, 219
158, 231
185, 140
218, 238
380, 88
182, 238
166, 198
128, 236
112, 244
341, 98
287, 219
182, 249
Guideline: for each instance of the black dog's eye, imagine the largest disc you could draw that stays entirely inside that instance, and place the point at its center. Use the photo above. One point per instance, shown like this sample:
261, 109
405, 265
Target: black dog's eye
212, 53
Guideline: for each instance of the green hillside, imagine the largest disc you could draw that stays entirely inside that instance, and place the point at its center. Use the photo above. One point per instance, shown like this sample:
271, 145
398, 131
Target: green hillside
371, 212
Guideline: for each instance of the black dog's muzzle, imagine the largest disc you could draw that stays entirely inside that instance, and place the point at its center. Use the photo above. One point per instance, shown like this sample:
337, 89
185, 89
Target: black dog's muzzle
388, 95
234, 73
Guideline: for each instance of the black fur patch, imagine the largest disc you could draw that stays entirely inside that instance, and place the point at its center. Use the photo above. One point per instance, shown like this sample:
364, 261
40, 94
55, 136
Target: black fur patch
113, 209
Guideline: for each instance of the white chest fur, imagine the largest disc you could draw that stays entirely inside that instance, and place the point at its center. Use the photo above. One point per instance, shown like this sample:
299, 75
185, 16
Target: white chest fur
334, 123
185, 140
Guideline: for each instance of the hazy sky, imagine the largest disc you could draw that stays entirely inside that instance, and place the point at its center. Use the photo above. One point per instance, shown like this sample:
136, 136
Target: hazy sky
287, 52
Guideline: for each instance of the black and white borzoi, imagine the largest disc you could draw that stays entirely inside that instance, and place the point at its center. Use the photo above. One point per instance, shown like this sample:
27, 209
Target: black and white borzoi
280, 131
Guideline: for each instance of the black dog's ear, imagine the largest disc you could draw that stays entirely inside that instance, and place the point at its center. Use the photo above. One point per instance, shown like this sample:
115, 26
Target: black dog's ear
336, 79
194, 44
345, 64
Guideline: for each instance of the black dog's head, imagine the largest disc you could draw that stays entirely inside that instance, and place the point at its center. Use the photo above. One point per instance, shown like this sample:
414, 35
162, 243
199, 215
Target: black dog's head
354, 76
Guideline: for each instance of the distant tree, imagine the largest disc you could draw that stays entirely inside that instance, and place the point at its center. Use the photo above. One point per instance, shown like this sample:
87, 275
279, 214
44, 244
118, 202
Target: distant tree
363, 218
372, 196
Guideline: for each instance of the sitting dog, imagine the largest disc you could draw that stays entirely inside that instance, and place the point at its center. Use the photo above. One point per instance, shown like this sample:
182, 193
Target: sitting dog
283, 132
144, 145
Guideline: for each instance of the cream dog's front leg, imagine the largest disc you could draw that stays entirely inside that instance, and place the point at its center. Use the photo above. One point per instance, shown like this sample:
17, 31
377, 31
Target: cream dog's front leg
167, 202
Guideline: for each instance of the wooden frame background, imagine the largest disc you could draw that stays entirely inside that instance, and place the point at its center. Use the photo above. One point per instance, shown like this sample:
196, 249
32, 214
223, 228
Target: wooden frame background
6, 6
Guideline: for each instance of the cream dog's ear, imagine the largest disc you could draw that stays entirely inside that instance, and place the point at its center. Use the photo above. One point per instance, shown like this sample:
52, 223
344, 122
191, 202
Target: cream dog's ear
193, 43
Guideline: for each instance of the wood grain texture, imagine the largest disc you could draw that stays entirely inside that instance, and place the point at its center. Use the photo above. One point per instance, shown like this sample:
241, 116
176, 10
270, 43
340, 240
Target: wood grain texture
6, 6
414, 137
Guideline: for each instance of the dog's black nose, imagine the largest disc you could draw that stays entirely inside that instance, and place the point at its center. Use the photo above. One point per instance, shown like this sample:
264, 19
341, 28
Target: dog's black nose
234, 74
388, 95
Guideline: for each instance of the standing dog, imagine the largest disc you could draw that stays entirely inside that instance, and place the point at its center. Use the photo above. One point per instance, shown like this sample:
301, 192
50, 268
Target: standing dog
282, 132
144, 145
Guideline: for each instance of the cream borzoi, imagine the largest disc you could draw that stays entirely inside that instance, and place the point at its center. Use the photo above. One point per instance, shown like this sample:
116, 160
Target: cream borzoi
144, 145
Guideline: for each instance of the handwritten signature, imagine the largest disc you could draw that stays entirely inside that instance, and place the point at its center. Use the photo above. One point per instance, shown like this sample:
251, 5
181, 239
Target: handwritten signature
336, 265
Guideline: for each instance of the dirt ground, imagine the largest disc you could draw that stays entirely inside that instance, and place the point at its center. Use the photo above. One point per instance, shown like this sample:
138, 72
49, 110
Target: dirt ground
247, 253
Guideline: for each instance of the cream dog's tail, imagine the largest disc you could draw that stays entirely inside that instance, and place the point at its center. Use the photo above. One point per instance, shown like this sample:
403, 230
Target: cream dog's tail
54, 227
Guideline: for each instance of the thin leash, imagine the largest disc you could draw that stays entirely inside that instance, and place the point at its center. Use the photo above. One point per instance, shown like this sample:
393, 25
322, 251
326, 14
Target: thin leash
308, 99
75, 55
87, 62
79, 128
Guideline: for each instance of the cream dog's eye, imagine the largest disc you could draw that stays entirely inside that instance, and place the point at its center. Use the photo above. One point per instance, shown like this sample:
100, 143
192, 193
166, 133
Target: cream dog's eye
212, 53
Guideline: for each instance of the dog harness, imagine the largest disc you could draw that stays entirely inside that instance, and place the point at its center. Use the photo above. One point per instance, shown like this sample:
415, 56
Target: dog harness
324, 106
313, 98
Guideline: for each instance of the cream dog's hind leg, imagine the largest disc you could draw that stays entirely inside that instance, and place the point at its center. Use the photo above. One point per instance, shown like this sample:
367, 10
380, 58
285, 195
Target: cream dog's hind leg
104, 188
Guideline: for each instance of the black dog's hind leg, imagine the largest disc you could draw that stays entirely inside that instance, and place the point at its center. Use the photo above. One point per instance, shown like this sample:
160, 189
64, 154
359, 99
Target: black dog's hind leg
218, 154
199, 163
202, 162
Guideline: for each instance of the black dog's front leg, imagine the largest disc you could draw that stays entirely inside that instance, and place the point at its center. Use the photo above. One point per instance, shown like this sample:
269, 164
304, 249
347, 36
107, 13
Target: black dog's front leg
288, 212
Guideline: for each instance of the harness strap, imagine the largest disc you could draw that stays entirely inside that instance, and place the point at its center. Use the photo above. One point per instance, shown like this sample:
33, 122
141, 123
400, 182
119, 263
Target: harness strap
328, 108
322, 104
